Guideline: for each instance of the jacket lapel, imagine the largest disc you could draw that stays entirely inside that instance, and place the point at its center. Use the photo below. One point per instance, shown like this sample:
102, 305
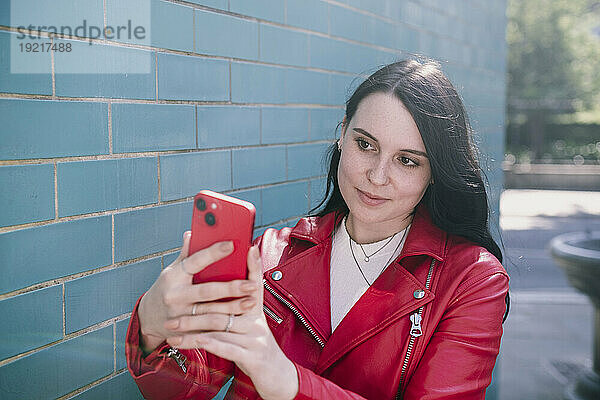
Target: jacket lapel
378, 307
304, 283
304, 277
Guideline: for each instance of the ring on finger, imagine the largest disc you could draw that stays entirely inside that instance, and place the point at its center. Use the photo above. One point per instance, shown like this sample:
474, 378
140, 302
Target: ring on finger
229, 323
194, 308
183, 267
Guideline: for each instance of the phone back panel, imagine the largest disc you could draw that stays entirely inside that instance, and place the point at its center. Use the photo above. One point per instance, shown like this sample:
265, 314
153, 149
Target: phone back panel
216, 218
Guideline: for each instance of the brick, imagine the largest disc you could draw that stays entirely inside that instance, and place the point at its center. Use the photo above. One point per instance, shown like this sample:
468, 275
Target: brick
284, 125
152, 127
309, 87
413, 13
284, 201
258, 166
271, 10
31, 194
150, 230
222, 4
101, 185
120, 335
306, 160
341, 88
254, 197
30, 320
252, 83
158, 19
42, 253
172, 26
192, 78
105, 71
317, 191
56, 13
140, 18
338, 55
69, 129
353, 25
323, 123
224, 35
308, 14
11, 81
119, 387
184, 175
222, 126
169, 258
276, 44
59, 369
108, 294
389, 9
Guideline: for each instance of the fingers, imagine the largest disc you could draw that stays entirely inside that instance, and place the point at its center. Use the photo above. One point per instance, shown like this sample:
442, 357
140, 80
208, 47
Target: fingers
255, 275
209, 322
185, 249
227, 350
203, 258
211, 291
238, 306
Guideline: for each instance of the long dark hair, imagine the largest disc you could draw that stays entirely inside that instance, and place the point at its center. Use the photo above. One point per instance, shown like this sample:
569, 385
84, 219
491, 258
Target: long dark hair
457, 200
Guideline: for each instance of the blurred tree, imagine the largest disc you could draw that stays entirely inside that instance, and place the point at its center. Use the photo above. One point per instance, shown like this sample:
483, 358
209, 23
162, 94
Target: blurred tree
553, 61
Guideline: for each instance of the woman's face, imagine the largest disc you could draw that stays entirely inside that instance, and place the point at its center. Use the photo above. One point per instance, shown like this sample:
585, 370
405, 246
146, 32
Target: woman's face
383, 170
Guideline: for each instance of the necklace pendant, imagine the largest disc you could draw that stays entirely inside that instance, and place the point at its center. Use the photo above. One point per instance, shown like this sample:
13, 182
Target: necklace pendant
366, 259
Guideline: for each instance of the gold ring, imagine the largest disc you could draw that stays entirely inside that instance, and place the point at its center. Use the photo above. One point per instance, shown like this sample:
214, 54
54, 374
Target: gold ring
229, 323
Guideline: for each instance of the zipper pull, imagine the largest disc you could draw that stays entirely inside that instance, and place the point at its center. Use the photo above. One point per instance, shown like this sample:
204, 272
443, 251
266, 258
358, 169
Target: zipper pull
178, 357
415, 329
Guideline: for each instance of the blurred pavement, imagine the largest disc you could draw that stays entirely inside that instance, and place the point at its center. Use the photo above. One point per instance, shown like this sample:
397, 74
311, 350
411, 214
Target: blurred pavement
548, 334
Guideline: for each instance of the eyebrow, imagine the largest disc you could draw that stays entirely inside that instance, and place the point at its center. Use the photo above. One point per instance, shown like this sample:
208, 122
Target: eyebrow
416, 152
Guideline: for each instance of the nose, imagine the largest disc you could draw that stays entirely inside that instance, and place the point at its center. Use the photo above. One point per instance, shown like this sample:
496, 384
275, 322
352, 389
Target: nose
378, 173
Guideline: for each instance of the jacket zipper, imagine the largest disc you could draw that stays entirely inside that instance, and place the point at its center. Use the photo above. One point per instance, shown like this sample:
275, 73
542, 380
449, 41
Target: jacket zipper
271, 314
415, 332
179, 358
296, 312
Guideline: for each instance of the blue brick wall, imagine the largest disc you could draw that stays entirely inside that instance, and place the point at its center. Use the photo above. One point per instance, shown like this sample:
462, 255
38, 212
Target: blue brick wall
103, 148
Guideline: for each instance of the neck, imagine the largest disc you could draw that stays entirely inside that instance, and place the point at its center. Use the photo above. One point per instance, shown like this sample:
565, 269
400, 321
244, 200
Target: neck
370, 233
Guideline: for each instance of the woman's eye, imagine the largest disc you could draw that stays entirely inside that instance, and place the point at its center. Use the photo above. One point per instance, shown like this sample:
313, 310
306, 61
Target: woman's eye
363, 144
408, 162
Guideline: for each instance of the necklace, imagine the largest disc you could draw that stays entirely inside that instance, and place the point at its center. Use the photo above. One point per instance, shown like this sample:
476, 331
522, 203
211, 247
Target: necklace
384, 265
367, 258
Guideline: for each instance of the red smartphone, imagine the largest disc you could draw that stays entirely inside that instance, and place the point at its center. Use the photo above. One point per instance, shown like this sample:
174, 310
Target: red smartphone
217, 218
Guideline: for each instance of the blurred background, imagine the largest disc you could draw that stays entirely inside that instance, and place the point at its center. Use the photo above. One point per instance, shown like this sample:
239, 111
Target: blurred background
108, 133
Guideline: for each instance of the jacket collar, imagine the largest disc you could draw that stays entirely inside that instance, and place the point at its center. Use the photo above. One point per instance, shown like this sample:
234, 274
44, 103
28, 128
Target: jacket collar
424, 238
381, 304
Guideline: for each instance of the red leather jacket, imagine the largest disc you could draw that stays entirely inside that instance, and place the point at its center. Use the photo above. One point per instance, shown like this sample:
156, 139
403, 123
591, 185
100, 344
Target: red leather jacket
428, 328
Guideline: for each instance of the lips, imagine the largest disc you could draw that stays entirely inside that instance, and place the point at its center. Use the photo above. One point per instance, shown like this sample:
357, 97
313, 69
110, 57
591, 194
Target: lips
370, 199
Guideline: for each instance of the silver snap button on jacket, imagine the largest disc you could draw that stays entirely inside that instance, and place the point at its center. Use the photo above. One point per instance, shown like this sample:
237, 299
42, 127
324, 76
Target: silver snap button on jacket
277, 275
419, 294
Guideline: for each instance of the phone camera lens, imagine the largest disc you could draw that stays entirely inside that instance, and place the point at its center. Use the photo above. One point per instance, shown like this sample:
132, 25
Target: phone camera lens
210, 219
201, 204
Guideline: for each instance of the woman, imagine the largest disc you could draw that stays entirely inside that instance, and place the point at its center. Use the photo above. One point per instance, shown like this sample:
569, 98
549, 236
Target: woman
393, 290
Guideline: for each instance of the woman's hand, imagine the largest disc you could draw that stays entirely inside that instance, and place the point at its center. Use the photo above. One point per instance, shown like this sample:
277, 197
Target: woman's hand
244, 339
173, 295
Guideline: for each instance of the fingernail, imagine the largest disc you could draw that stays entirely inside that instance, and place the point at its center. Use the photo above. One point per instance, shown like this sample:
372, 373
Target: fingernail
173, 324
176, 340
226, 246
248, 286
187, 234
